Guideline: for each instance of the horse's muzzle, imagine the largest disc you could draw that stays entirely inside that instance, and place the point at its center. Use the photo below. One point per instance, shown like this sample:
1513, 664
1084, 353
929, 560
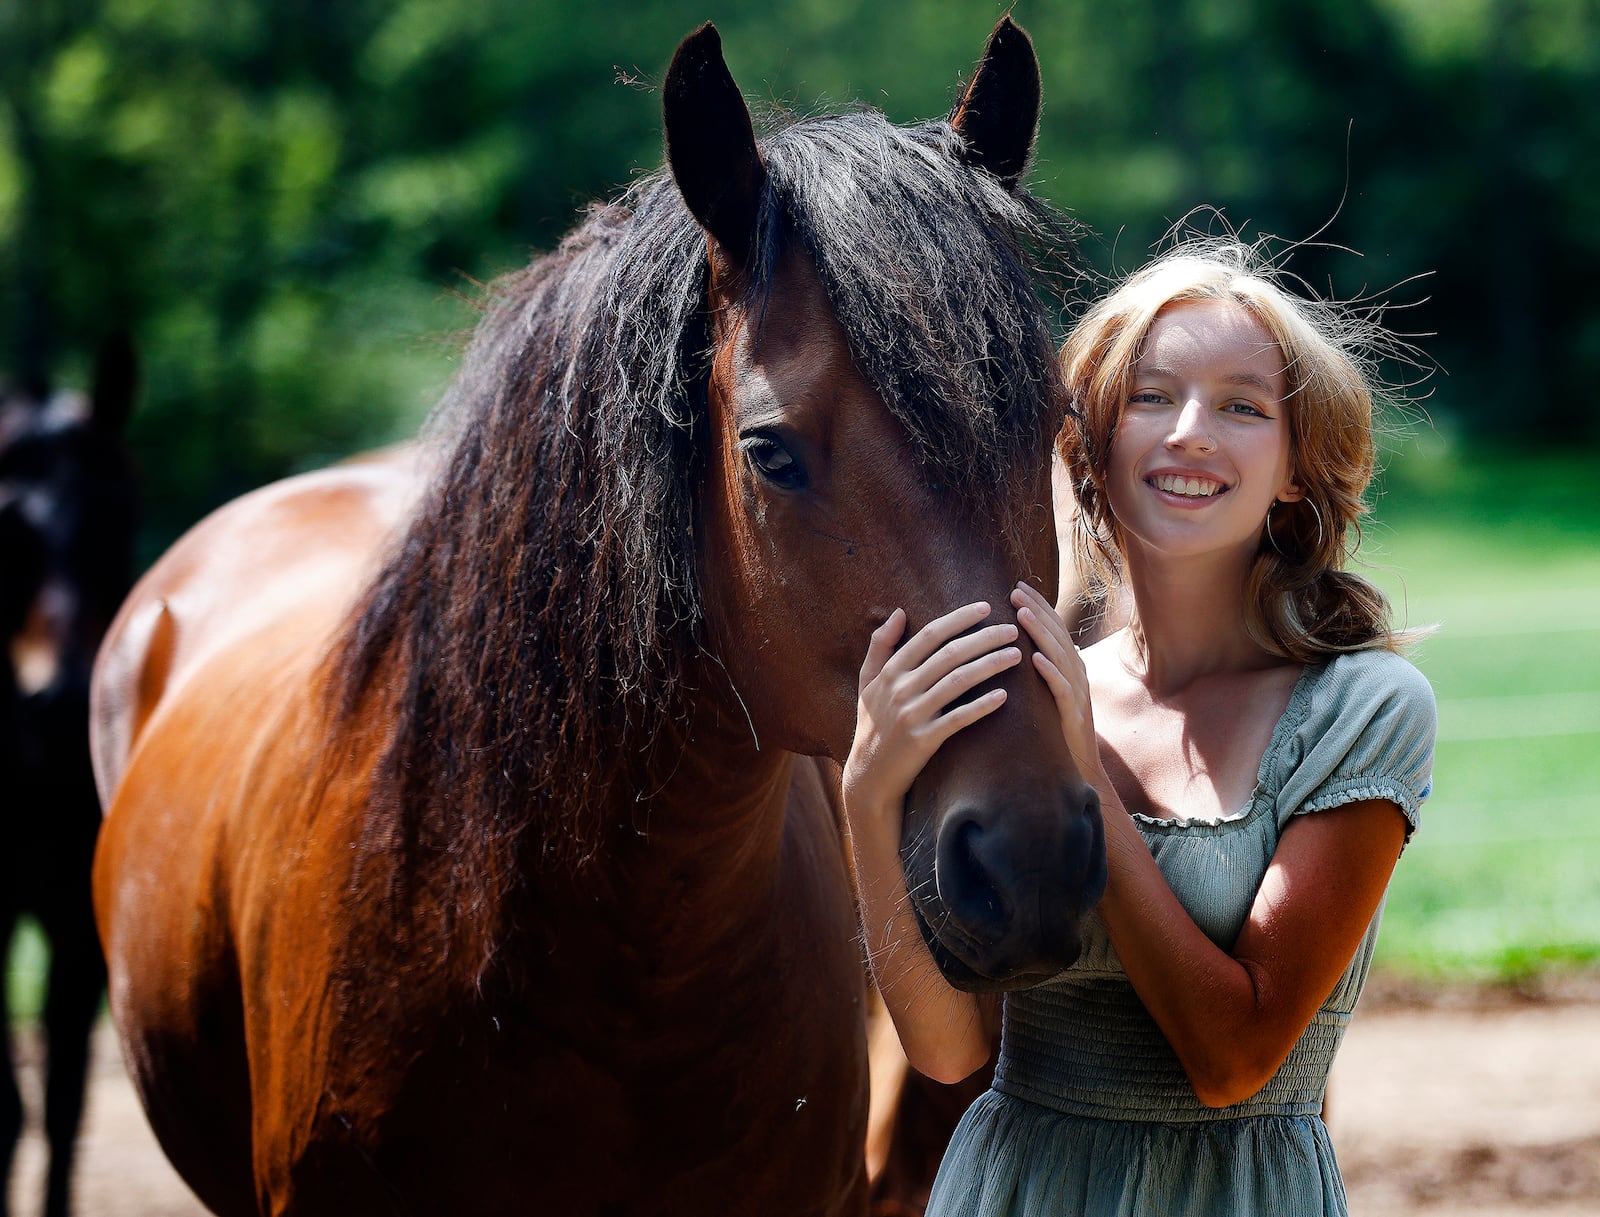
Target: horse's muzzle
1000, 888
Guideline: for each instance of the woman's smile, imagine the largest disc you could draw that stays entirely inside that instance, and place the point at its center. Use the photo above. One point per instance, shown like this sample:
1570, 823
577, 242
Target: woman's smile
1186, 485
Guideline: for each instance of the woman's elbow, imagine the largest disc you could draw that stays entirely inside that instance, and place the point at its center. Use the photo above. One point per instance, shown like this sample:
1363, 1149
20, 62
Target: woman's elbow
948, 1063
1223, 1096
1229, 1083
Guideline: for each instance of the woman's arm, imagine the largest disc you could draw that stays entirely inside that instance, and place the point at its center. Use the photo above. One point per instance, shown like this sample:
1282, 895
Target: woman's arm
901, 721
1231, 1017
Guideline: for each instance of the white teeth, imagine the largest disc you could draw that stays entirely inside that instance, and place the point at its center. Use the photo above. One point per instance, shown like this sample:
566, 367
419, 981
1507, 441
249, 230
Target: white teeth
1192, 487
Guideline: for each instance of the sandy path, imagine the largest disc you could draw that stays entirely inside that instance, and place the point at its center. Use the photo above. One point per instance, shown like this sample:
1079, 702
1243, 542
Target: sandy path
1453, 1108
1488, 1110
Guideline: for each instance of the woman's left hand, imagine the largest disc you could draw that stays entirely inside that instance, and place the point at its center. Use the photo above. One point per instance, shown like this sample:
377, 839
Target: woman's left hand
1057, 660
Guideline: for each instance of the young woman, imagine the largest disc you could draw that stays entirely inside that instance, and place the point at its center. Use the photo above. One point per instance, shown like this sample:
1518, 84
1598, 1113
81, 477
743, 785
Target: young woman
1260, 749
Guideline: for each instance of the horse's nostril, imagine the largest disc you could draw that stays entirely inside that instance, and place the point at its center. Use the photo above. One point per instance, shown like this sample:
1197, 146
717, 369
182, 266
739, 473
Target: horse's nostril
970, 876
1015, 877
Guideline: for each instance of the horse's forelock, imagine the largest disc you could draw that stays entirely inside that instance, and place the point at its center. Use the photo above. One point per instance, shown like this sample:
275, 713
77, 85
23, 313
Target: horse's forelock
931, 267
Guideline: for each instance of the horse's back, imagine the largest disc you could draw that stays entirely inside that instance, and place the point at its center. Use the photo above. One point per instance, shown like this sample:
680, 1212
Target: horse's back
304, 544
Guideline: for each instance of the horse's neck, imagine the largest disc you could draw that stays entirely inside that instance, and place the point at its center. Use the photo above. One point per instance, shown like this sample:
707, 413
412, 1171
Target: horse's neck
707, 808
684, 895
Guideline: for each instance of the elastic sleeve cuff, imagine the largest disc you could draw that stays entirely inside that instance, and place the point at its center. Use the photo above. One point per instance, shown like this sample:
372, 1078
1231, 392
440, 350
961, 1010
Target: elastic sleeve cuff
1329, 797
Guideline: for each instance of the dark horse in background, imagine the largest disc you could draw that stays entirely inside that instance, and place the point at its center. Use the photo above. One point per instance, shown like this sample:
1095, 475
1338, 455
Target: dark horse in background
473, 841
68, 506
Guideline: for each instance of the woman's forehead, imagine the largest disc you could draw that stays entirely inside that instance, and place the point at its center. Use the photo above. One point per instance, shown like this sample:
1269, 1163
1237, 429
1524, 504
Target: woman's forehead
1216, 336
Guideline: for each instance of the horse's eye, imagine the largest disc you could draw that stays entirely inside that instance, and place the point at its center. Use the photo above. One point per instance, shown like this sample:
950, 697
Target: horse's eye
775, 463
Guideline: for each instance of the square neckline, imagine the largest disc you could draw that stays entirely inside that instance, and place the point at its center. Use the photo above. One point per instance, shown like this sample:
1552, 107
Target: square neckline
1293, 715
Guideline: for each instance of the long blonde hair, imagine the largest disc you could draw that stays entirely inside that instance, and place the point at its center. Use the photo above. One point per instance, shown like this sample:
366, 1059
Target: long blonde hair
1301, 602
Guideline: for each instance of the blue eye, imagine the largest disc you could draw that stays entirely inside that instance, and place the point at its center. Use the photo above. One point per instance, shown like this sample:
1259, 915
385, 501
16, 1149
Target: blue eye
1245, 407
773, 462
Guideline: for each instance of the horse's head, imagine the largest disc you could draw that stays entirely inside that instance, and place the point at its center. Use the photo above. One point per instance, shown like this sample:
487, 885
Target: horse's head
879, 410
66, 520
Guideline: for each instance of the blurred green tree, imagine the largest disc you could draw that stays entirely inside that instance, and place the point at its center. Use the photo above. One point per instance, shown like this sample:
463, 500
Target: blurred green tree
290, 202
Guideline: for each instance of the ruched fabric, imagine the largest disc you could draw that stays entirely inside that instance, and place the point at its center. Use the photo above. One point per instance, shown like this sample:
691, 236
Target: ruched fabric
1091, 1114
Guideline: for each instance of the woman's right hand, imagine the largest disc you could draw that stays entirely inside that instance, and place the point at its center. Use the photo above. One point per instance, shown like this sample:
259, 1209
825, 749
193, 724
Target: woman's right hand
904, 711
903, 715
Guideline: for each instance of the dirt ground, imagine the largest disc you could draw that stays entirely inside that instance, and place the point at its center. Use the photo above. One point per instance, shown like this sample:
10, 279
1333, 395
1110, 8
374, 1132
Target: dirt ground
1443, 1104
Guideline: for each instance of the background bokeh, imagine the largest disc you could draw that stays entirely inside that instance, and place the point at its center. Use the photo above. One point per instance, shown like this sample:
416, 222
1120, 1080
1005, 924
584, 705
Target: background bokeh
290, 204
288, 201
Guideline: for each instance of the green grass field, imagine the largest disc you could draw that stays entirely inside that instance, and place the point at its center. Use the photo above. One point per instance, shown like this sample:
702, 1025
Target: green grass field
1502, 554
25, 972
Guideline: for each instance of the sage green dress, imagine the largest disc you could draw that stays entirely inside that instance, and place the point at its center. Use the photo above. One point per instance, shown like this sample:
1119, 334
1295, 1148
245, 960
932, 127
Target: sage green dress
1091, 1114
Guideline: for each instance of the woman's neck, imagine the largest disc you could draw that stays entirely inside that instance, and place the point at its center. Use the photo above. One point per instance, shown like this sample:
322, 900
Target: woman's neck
1189, 623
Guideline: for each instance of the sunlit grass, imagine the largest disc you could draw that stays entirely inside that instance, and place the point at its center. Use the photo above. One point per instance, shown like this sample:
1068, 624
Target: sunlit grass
25, 971
1502, 553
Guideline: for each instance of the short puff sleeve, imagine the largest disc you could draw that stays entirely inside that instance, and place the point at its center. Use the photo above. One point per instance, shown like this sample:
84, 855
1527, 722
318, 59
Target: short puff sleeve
1367, 734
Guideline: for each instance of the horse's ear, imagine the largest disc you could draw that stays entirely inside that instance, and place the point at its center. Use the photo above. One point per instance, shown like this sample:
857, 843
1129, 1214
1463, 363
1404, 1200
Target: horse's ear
116, 382
711, 145
998, 115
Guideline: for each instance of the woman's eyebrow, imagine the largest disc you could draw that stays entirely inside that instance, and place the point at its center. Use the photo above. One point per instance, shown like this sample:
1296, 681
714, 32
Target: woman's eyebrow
1151, 371
1243, 380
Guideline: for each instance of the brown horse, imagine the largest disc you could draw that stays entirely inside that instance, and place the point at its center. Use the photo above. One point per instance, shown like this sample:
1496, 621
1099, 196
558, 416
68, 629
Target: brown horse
458, 855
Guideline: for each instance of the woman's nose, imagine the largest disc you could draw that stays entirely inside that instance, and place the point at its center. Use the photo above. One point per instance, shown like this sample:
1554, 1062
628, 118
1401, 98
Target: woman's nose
1191, 429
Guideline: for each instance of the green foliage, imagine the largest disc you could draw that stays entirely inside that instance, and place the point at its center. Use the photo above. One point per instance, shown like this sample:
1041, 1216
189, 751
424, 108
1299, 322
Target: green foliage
291, 203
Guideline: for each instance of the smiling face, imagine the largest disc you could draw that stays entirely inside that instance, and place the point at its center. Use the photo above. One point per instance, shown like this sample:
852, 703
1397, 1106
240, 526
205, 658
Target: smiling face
1202, 447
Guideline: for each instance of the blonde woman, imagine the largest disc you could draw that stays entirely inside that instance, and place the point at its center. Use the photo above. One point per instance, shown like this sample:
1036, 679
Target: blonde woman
1260, 749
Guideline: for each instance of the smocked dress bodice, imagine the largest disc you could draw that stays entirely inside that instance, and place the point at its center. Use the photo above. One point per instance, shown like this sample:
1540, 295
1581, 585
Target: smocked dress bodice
1091, 1112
